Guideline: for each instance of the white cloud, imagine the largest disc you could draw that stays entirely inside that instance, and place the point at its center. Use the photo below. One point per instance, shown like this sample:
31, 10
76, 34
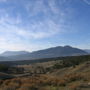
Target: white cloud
3, 0
44, 29
12, 33
87, 1
38, 6
53, 6
41, 29
6, 19
5, 45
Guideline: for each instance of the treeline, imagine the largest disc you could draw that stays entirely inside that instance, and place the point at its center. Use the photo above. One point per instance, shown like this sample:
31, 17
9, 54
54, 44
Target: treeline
68, 59
71, 61
4, 68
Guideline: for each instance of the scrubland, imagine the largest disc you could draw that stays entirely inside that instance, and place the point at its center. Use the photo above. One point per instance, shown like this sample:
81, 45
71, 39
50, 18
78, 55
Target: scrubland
51, 75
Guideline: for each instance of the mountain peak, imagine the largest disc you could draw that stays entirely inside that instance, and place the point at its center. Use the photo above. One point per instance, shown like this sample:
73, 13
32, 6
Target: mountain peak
67, 46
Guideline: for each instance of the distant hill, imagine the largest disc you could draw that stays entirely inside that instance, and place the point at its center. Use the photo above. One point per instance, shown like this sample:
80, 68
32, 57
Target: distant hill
2, 58
87, 50
59, 51
14, 53
50, 53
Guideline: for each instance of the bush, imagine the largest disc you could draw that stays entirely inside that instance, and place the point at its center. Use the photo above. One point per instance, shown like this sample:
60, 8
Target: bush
57, 66
73, 77
3, 68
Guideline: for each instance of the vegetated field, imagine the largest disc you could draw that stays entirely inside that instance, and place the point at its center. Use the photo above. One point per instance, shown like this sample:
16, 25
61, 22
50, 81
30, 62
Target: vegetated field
70, 73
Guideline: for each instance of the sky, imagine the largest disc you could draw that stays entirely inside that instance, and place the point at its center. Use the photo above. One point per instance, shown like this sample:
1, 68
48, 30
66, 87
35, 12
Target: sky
32, 25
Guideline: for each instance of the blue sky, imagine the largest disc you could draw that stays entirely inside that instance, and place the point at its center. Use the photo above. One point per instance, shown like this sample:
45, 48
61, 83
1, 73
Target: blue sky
38, 24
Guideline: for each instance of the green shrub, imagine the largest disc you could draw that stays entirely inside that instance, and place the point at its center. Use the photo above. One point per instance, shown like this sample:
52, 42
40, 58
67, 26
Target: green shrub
3, 68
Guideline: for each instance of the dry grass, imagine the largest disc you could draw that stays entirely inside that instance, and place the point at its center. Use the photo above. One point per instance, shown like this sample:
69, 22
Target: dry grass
35, 83
47, 81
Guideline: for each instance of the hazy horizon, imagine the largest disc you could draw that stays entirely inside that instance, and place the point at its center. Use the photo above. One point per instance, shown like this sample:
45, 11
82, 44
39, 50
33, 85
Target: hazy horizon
33, 25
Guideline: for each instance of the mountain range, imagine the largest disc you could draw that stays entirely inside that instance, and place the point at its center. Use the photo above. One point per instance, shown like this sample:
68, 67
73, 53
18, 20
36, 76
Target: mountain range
59, 51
